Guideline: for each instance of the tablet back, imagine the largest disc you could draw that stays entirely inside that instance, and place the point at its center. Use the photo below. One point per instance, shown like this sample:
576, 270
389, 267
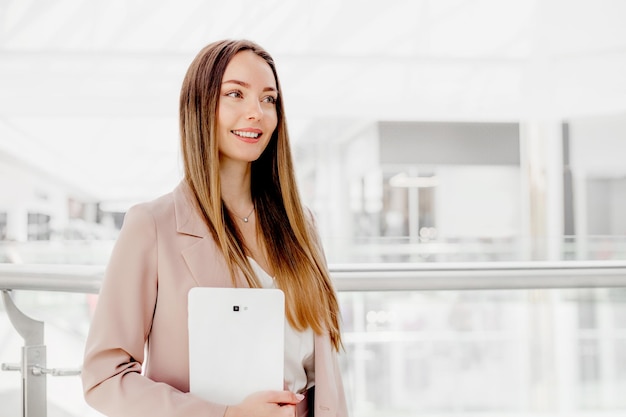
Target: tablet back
236, 342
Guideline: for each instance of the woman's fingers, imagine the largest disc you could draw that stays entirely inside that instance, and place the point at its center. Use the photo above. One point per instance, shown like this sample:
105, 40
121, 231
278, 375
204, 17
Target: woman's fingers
283, 397
266, 403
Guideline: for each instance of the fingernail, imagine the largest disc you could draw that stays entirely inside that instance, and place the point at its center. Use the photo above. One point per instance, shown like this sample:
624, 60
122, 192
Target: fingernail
300, 397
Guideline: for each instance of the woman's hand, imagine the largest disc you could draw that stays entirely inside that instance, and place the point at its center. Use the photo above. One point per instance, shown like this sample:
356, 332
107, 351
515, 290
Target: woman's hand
266, 404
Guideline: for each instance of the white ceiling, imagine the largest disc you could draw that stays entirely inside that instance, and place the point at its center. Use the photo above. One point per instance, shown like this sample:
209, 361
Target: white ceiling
89, 89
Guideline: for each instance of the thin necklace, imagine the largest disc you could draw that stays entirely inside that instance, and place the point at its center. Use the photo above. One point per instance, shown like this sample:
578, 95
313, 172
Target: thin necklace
245, 219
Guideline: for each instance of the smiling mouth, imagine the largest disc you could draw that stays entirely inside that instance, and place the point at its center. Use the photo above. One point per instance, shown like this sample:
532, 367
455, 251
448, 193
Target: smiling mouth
249, 135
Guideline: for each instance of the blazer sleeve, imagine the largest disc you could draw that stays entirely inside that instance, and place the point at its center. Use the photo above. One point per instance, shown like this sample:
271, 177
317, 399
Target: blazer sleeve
342, 406
112, 368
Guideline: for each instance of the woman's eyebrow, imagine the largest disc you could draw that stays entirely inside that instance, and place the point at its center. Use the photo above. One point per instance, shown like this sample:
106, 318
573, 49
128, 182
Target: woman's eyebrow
246, 85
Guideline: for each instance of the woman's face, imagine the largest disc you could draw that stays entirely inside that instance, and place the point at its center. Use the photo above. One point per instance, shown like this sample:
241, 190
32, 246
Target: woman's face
246, 114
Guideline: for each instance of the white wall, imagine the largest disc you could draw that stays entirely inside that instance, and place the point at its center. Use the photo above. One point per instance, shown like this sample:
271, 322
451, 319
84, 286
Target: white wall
618, 207
598, 145
24, 190
475, 201
598, 161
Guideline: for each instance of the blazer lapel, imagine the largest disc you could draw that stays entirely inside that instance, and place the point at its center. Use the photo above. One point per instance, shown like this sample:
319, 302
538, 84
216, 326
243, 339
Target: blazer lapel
188, 221
206, 264
202, 256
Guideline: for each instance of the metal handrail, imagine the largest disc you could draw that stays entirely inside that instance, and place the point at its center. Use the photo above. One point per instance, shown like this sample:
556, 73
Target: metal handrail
369, 276
52, 277
480, 275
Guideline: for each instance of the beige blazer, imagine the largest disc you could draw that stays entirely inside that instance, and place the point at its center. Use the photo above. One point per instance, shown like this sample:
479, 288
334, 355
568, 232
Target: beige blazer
163, 250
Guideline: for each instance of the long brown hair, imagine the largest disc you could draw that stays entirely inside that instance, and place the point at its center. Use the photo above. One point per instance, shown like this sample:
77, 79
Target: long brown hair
288, 234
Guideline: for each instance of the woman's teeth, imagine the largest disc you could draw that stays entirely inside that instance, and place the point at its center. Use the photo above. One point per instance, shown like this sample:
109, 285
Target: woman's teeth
246, 134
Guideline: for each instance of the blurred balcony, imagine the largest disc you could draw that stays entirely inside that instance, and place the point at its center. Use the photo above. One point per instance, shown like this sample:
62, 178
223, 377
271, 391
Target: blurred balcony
502, 335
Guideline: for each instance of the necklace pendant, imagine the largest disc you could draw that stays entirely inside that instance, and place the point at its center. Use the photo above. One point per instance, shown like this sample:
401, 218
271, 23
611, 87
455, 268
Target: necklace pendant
245, 220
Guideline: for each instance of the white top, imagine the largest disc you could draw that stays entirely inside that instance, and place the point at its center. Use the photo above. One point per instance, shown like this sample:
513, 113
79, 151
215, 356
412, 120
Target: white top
299, 346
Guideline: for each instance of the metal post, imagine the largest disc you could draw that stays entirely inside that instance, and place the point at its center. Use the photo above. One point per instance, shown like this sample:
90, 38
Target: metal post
34, 401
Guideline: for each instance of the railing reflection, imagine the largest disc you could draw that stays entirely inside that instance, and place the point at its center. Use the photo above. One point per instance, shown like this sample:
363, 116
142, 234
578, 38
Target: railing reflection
487, 352
472, 339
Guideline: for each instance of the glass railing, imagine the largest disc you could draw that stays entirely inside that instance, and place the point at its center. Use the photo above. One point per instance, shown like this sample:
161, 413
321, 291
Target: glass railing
365, 250
476, 249
486, 352
482, 338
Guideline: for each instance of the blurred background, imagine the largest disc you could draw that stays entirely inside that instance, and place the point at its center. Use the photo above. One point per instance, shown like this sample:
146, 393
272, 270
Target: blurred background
424, 132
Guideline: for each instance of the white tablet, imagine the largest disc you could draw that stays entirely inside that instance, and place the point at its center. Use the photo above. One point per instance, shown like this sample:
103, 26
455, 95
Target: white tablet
236, 342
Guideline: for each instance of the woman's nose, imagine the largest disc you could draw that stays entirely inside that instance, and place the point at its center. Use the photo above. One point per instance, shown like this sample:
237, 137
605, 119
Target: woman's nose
255, 112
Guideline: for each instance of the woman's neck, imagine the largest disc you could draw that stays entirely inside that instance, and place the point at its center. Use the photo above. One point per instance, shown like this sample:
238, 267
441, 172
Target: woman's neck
235, 186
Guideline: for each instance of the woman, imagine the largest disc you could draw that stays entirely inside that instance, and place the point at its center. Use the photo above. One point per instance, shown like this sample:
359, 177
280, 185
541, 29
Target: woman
235, 220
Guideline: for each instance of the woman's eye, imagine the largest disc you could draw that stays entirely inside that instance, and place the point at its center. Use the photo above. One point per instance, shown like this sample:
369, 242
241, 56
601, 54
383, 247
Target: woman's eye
269, 99
234, 94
